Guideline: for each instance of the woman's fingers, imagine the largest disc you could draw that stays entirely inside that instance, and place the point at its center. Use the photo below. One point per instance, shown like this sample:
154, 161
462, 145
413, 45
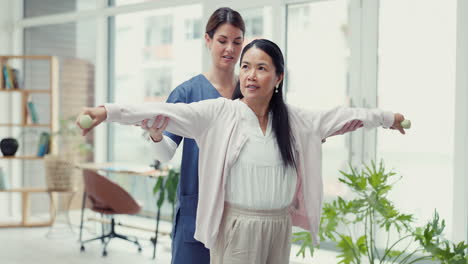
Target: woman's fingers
144, 124
156, 127
345, 127
351, 126
355, 124
397, 123
96, 122
156, 122
164, 125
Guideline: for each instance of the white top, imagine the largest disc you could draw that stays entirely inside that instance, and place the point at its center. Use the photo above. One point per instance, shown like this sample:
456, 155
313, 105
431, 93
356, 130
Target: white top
165, 149
258, 180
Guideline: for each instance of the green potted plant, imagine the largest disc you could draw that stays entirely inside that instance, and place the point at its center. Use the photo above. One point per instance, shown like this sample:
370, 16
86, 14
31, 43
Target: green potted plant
166, 188
73, 148
371, 212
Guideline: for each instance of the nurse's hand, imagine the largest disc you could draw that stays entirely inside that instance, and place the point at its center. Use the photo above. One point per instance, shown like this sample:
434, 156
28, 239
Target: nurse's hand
348, 127
155, 127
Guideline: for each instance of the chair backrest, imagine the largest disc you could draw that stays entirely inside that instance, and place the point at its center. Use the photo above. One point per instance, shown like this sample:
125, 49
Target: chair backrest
108, 197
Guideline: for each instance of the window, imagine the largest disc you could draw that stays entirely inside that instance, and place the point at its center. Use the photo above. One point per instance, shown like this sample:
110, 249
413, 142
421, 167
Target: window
35, 8
158, 30
257, 23
126, 2
73, 43
254, 25
151, 55
192, 29
158, 83
417, 78
317, 68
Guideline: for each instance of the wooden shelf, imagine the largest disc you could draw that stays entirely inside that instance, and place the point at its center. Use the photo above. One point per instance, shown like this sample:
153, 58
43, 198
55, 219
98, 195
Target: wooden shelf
50, 90
30, 57
22, 157
26, 189
26, 204
23, 91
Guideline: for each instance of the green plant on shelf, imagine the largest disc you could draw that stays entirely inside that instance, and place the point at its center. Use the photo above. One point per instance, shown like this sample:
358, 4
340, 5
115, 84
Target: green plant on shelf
70, 139
352, 225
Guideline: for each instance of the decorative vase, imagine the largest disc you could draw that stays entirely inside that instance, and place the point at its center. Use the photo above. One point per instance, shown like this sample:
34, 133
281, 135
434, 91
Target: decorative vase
9, 146
59, 173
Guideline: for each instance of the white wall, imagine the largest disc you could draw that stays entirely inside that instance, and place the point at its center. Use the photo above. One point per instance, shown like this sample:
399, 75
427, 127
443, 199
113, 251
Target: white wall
6, 37
6, 26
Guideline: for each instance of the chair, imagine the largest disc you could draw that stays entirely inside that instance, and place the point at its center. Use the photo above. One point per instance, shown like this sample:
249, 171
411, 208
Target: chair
107, 198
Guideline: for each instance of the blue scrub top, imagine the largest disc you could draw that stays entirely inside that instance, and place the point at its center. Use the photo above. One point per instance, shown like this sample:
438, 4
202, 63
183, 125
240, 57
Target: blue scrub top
196, 89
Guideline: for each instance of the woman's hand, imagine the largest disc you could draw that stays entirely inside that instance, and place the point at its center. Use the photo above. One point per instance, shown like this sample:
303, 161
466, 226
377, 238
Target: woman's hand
348, 127
397, 123
98, 114
156, 129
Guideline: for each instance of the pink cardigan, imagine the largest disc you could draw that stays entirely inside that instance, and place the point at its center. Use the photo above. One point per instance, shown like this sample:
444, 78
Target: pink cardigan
214, 124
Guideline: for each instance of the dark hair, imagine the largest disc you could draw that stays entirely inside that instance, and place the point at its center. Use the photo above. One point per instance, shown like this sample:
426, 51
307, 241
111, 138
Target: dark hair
224, 15
281, 125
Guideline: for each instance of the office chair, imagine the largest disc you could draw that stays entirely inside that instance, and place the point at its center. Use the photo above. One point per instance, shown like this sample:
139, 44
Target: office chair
107, 198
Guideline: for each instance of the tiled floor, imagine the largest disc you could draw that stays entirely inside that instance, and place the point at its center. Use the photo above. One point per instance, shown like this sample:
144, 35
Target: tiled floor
31, 245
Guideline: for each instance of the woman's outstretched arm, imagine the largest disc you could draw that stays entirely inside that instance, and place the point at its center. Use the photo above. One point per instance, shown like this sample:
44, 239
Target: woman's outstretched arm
333, 120
187, 120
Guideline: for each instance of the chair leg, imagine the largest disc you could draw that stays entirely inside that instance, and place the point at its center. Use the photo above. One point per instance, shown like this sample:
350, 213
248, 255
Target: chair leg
104, 249
109, 236
96, 238
134, 240
83, 205
102, 229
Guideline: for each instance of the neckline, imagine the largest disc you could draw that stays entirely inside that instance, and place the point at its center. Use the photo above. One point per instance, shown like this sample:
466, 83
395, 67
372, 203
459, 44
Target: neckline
210, 84
252, 117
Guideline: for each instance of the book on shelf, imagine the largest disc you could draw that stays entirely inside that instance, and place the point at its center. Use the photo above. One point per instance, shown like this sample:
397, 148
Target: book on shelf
11, 77
32, 112
6, 81
44, 143
4, 181
16, 78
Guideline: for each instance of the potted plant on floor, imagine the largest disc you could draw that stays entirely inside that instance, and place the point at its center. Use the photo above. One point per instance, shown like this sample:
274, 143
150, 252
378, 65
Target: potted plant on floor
371, 212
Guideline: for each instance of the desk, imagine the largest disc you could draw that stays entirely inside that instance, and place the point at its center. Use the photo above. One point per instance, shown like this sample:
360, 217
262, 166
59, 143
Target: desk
120, 168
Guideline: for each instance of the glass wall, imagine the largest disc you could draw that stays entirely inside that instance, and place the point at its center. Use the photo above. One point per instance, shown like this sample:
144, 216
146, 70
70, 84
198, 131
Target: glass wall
417, 78
153, 52
258, 23
317, 57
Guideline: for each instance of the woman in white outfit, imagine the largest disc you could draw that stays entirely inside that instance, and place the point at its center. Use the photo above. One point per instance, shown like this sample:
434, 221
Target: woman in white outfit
260, 159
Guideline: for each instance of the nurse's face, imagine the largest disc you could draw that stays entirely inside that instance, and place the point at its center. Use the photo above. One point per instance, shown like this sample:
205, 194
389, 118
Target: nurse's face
225, 46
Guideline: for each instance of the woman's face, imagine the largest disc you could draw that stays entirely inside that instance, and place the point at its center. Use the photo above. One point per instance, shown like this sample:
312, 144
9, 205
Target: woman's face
225, 46
257, 75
